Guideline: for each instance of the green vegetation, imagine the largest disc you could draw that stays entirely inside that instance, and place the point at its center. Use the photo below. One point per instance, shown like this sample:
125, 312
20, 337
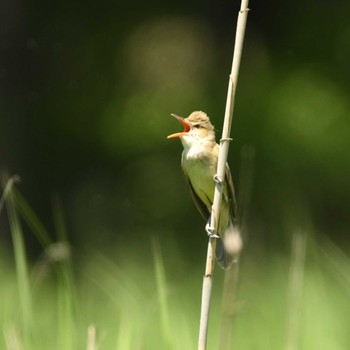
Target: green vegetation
101, 230
145, 304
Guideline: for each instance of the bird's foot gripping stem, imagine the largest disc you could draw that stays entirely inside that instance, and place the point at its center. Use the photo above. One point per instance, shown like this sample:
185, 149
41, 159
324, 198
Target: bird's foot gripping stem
217, 179
210, 230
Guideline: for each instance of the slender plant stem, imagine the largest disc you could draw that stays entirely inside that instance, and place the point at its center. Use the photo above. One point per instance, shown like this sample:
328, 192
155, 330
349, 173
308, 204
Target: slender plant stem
91, 338
162, 295
7, 188
230, 303
24, 293
224, 146
295, 290
206, 295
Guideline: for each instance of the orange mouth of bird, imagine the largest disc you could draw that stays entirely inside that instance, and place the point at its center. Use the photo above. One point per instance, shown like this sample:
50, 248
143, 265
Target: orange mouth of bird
187, 127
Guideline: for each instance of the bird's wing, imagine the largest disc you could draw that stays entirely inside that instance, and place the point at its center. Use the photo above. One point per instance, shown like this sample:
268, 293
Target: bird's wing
199, 203
231, 192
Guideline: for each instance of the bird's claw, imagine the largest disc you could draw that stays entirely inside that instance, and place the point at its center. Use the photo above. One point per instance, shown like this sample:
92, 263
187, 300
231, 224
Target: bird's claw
210, 231
217, 179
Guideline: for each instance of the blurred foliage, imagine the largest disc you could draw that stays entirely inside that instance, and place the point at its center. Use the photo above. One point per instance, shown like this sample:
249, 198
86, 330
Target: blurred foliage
86, 92
136, 305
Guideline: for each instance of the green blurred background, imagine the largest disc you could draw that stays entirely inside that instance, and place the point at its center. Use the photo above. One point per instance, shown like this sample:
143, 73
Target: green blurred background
87, 88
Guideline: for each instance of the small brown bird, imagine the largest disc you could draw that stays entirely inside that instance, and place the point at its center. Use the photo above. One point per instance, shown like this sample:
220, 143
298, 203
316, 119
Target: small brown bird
199, 164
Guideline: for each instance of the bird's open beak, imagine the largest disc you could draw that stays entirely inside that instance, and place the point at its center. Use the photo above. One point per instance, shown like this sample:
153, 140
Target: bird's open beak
187, 127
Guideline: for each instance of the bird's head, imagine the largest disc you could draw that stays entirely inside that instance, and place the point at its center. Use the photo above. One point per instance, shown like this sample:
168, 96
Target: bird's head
197, 127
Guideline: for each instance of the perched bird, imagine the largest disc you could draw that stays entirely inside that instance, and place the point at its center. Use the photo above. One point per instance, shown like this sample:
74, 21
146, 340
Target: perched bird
199, 164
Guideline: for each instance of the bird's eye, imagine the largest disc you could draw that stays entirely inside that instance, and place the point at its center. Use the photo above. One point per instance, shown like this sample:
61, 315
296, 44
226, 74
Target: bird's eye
197, 126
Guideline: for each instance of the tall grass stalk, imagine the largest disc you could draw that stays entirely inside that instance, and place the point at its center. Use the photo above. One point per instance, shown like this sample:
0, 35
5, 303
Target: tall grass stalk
56, 255
231, 281
162, 295
126, 333
23, 288
229, 302
31, 219
91, 338
223, 153
12, 339
66, 292
336, 261
65, 307
295, 290
7, 185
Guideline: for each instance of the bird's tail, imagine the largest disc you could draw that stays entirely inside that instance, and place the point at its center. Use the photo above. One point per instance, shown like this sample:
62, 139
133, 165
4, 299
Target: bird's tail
228, 247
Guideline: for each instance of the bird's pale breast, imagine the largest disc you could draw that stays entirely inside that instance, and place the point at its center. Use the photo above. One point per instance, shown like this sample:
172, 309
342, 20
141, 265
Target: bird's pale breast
200, 167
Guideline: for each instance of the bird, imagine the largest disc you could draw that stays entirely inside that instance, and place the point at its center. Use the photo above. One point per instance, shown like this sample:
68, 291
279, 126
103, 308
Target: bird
199, 164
